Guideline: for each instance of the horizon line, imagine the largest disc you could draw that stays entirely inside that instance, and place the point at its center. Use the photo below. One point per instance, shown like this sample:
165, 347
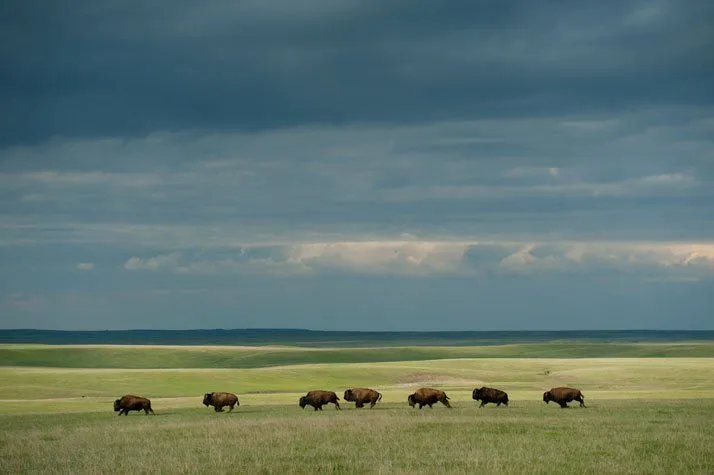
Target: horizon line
349, 331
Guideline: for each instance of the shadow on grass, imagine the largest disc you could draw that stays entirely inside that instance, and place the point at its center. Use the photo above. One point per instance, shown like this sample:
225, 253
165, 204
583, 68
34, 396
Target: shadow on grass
155, 414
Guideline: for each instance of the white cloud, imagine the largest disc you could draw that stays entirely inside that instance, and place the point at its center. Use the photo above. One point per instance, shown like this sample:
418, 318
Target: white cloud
400, 257
161, 262
377, 257
85, 266
680, 257
524, 261
521, 257
435, 258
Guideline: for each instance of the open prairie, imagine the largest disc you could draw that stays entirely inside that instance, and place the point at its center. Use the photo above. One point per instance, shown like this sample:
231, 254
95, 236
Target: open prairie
644, 414
642, 436
159, 356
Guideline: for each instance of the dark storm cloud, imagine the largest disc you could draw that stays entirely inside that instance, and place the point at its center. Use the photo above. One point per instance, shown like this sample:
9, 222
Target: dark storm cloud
628, 175
114, 68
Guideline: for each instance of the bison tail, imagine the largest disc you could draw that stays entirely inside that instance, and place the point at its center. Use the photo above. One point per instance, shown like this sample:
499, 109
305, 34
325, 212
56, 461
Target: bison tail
380, 397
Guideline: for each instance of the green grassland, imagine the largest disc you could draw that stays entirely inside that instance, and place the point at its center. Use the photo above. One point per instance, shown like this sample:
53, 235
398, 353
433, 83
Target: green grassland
645, 414
611, 378
667, 436
145, 357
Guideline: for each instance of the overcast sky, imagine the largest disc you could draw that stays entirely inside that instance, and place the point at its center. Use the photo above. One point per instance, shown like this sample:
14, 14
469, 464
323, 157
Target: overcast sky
357, 164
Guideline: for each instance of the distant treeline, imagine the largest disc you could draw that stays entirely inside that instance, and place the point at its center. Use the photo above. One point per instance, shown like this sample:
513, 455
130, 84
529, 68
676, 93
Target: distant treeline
313, 338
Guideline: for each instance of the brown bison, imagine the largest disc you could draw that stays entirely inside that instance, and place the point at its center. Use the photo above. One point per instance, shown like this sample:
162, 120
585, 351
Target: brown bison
219, 400
563, 396
486, 395
317, 399
132, 403
361, 396
427, 397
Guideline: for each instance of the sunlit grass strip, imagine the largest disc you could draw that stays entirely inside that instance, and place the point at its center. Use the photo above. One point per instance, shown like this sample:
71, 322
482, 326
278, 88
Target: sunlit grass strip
34, 389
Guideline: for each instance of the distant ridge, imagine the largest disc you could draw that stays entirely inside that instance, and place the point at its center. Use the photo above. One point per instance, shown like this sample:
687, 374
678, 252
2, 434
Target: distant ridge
304, 337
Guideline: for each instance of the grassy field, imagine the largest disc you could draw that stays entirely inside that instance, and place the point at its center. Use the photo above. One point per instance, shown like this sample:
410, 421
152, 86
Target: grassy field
523, 379
645, 415
609, 437
145, 357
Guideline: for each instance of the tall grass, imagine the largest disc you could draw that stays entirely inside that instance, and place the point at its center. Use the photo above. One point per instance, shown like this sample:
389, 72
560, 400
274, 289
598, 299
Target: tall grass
608, 437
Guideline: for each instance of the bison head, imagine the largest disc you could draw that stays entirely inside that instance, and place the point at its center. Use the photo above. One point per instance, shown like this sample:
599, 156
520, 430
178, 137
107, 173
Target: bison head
117, 405
412, 400
547, 397
476, 394
348, 395
207, 399
303, 402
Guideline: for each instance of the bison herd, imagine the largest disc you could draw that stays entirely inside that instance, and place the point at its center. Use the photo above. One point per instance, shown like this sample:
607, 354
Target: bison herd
361, 396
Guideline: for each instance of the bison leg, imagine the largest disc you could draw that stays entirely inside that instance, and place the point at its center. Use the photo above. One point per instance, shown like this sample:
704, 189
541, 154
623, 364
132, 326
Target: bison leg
231, 408
371, 404
121, 411
337, 406
582, 401
421, 405
483, 403
563, 405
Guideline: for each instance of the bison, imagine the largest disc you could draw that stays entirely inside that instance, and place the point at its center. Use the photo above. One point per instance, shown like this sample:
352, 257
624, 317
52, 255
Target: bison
563, 396
132, 403
361, 396
486, 395
317, 399
219, 400
427, 397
